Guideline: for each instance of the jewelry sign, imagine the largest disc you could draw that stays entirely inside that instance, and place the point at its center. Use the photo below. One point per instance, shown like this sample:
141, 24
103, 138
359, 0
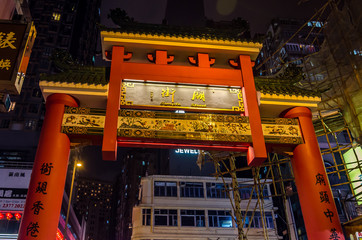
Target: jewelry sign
154, 95
138, 124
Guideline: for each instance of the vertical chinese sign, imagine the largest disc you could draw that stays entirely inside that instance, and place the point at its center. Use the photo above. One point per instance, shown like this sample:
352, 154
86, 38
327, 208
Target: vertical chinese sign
325, 199
37, 206
16, 40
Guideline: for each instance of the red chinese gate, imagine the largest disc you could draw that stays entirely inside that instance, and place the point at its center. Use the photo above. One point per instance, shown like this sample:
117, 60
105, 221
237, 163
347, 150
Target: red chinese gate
50, 166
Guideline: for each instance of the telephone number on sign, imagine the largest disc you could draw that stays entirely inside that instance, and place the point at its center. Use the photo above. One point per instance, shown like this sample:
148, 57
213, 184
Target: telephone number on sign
13, 205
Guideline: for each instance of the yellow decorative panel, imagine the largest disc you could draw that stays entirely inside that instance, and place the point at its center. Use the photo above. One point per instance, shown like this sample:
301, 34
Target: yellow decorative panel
140, 124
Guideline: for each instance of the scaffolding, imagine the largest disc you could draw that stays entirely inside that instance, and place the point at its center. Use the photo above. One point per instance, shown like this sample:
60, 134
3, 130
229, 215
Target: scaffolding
335, 70
334, 139
276, 172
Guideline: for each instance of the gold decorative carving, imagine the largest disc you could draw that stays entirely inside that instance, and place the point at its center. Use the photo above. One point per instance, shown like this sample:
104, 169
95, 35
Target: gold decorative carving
189, 126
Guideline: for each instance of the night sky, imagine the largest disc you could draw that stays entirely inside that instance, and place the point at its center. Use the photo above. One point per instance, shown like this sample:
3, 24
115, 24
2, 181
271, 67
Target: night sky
258, 13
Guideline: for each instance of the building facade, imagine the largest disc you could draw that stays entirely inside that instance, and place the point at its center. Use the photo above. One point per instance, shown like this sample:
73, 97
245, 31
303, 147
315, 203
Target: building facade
137, 163
94, 202
324, 53
287, 41
187, 207
65, 25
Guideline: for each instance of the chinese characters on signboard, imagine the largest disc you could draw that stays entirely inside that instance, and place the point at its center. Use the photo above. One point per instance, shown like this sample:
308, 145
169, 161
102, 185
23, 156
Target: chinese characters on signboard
322, 184
11, 39
16, 42
13, 188
33, 228
138, 94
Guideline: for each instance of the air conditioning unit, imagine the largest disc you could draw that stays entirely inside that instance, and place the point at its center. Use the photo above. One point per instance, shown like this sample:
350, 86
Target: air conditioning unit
5, 103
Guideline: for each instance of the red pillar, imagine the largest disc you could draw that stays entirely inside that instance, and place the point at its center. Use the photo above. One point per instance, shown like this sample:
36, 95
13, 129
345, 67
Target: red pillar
45, 193
316, 199
256, 154
109, 146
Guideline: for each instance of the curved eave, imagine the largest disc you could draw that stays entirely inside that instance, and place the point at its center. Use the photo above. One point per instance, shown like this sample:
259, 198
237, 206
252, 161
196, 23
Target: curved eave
271, 105
110, 38
88, 95
95, 96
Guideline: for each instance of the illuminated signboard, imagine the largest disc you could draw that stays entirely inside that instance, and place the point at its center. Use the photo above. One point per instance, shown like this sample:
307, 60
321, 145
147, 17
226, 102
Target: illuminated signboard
358, 235
351, 158
154, 95
187, 151
13, 188
16, 40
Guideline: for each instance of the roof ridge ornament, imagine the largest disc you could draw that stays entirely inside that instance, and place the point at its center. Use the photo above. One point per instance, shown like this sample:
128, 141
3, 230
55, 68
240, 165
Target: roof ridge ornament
201, 60
160, 57
236, 64
126, 57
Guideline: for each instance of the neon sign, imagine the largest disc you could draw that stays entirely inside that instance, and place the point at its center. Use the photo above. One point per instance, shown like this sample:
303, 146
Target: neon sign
187, 151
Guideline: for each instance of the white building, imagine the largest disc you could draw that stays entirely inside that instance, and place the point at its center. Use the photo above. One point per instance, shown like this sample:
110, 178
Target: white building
188, 207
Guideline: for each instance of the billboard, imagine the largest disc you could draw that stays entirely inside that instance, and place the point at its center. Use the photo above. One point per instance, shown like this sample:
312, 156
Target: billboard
14, 185
353, 160
16, 41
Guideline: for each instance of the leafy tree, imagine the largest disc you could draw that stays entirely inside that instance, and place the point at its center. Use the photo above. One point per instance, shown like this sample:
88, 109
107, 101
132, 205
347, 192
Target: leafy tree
119, 16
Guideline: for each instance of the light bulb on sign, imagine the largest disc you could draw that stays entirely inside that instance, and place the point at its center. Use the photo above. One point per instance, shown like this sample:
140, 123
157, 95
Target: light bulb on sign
17, 216
9, 216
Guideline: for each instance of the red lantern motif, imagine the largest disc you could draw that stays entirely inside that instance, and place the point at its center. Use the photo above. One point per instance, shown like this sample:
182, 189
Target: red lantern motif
17, 216
9, 216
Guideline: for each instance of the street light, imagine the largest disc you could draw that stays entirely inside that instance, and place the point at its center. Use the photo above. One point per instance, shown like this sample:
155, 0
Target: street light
76, 164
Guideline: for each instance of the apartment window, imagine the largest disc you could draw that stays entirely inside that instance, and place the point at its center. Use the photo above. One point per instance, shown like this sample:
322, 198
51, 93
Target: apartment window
36, 93
220, 219
63, 41
56, 16
216, 190
192, 189
165, 217
33, 108
193, 218
53, 28
47, 51
69, 18
245, 192
146, 216
50, 39
44, 63
256, 221
30, 124
5, 123
166, 189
